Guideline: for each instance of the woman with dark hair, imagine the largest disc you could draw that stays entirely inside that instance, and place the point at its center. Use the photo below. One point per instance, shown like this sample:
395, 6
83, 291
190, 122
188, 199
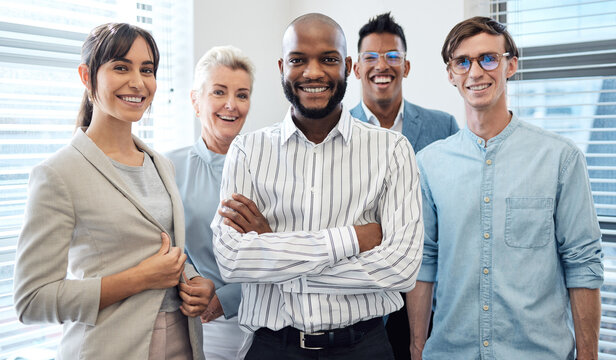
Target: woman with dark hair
101, 249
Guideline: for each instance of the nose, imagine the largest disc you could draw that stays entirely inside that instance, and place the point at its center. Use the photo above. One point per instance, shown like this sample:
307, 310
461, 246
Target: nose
136, 80
475, 70
230, 103
381, 63
313, 70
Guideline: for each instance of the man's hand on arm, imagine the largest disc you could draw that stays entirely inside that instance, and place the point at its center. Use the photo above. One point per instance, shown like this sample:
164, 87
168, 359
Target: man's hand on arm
418, 308
368, 236
586, 311
242, 214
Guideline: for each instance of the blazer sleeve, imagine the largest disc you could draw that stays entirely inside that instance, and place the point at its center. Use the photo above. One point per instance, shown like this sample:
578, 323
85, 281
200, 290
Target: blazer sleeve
42, 292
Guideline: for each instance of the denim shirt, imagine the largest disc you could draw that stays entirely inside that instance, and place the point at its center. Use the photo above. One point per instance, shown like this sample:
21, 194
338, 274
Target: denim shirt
508, 228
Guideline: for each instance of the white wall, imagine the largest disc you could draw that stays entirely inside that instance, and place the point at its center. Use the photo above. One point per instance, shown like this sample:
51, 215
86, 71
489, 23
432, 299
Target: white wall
256, 27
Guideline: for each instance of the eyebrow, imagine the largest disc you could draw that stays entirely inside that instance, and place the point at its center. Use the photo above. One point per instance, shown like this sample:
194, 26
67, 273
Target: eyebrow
147, 62
225, 86
330, 52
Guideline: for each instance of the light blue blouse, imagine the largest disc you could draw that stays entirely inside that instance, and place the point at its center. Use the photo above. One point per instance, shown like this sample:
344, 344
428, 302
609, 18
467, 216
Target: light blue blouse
197, 173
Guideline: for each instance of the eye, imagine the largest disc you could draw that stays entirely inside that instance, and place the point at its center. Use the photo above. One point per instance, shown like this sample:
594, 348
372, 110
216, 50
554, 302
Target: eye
461, 62
331, 60
370, 57
243, 96
488, 58
148, 71
393, 55
120, 68
218, 92
295, 61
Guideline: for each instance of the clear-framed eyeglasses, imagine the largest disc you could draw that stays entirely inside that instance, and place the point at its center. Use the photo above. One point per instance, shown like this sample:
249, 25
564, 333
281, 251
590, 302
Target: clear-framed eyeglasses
393, 58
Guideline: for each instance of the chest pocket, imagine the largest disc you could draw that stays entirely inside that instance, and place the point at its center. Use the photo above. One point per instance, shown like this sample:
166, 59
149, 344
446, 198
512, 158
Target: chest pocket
529, 222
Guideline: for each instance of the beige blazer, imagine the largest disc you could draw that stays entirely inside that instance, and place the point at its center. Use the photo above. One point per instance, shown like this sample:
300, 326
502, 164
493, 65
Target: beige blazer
83, 223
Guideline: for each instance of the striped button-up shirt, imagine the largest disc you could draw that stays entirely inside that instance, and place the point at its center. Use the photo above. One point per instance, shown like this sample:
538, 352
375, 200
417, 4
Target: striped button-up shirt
309, 273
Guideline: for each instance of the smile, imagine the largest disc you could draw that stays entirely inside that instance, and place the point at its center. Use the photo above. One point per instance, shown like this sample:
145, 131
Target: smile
132, 99
382, 79
314, 90
478, 87
227, 117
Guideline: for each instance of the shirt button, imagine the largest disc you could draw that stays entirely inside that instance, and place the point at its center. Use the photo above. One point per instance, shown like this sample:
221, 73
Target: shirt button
479, 141
486, 308
489, 162
486, 271
486, 235
486, 343
486, 199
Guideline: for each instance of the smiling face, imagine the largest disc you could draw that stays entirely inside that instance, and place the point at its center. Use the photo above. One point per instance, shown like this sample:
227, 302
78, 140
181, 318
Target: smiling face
314, 68
222, 106
484, 90
381, 82
126, 85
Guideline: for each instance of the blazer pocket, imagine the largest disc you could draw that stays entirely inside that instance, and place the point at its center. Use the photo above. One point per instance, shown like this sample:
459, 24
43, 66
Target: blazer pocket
529, 222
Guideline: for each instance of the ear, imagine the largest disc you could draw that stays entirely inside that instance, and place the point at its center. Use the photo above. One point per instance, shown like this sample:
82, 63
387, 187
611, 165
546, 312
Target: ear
512, 67
194, 100
450, 77
356, 70
348, 65
84, 75
407, 67
280, 65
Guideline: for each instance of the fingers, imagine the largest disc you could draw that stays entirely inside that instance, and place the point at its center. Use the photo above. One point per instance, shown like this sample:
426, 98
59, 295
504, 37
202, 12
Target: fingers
247, 202
233, 218
166, 244
230, 223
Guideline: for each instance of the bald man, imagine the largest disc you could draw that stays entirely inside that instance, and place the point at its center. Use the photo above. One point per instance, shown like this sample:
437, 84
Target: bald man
321, 217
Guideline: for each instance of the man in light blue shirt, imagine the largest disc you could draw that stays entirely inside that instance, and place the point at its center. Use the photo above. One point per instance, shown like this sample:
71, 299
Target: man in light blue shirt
511, 232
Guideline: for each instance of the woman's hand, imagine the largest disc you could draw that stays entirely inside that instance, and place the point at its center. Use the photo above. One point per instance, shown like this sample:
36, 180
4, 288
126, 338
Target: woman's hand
163, 269
196, 294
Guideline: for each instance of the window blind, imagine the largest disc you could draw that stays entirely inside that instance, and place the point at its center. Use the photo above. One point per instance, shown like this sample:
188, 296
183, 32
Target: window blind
40, 93
566, 83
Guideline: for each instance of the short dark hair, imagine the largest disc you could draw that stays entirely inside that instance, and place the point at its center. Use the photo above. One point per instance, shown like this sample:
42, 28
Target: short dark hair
471, 27
105, 43
379, 24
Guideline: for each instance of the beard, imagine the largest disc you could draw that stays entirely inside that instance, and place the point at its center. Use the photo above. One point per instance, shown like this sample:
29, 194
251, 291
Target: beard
309, 113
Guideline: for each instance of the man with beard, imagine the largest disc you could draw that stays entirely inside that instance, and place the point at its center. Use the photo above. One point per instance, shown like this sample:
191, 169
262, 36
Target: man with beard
343, 202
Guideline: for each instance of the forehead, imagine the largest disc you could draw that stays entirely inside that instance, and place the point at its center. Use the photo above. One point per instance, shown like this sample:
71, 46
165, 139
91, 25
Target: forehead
223, 75
313, 37
480, 44
381, 42
139, 50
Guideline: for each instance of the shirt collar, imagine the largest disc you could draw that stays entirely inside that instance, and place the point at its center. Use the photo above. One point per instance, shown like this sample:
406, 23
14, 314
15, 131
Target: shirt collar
504, 134
206, 154
374, 121
343, 127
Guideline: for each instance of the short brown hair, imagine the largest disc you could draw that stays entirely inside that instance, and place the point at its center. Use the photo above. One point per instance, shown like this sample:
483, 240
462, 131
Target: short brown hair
471, 27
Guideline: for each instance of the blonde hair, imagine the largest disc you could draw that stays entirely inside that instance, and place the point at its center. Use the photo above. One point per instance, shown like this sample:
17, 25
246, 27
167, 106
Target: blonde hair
228, 56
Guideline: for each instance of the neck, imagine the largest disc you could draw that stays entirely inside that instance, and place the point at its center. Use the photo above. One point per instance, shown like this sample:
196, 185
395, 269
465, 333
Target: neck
316, 130
219, 147
114, 138
487, 124
385, 111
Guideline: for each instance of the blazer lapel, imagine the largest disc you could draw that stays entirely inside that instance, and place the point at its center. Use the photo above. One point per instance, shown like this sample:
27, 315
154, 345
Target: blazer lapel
168, 177
411, 126
99, 160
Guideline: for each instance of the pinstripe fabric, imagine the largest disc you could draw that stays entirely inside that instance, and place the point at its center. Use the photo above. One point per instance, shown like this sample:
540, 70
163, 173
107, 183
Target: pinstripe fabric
309, 272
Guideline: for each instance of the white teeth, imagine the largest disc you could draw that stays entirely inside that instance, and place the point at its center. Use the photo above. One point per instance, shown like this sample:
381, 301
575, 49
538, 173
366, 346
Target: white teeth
135, 99
228, 118
314, 90
479, 87
382, 79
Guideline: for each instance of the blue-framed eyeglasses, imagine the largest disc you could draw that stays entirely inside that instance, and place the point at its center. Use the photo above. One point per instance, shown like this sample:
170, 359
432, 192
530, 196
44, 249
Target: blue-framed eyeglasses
392, 57
488, 62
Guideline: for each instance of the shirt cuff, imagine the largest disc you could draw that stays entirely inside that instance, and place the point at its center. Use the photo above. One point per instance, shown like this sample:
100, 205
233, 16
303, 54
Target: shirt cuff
229, 296
342, 243
427, 273
191, 272
589, 276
